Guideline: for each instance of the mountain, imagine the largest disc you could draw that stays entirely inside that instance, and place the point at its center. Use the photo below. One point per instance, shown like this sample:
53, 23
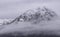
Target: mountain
35, 16
25, 29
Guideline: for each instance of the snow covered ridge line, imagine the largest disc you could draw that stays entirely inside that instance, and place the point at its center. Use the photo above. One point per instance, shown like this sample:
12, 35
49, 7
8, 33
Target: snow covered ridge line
35, 16
5, 21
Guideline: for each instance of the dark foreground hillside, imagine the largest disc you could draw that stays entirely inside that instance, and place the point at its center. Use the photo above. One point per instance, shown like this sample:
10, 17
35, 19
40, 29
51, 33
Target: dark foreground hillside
34, 35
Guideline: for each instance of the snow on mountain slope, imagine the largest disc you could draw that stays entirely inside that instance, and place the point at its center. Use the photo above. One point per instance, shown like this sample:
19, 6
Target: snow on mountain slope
3, 21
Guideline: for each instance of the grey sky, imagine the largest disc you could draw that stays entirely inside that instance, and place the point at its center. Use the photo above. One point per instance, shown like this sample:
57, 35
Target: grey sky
13, 8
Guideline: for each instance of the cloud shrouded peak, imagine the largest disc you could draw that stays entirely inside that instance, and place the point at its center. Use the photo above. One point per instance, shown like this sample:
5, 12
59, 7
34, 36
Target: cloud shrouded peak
35, 15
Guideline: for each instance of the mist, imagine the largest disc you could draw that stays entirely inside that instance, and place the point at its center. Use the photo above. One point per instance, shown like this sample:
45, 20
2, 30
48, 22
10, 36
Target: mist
13, 8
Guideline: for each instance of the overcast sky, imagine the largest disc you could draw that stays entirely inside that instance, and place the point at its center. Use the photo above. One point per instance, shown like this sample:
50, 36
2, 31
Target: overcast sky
13, 8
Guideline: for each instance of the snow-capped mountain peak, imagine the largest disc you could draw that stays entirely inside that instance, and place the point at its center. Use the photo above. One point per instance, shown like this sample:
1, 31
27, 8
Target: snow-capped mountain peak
35, 15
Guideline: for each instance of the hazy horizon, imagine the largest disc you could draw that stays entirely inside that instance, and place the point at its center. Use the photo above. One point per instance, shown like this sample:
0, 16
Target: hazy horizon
13, 8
